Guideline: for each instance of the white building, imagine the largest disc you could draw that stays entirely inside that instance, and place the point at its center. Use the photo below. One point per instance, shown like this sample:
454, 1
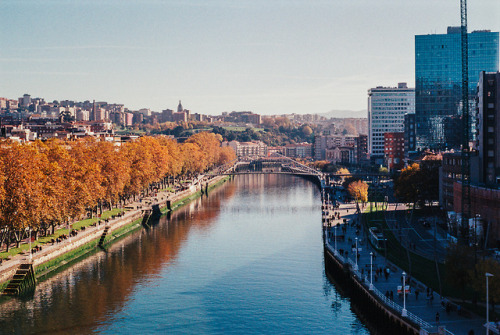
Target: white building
248, 149
387, 107
82, 115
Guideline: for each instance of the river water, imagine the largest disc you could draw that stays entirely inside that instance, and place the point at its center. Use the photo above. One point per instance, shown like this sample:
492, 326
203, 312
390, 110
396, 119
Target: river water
246, 260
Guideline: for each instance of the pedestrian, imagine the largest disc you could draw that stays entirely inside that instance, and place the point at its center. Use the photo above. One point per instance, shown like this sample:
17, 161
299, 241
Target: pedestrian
437, 318
392, 294
417, 292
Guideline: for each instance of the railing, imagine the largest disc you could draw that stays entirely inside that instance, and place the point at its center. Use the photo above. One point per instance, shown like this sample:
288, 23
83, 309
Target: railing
388, 302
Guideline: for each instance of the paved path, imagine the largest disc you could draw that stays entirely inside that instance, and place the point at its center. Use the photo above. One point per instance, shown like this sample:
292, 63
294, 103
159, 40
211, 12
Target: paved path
423, 307
134, 211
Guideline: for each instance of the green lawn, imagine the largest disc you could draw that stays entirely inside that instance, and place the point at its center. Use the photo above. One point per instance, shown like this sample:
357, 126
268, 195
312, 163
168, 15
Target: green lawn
422, 268
46, 239
234, 128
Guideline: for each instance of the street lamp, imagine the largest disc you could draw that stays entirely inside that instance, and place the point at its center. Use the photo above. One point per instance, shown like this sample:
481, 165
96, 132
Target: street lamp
487, 306
404, 312
356, 266
335, 239
371, 271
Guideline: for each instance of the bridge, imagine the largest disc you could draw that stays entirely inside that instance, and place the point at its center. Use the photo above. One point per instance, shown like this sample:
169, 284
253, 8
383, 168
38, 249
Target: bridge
276, 164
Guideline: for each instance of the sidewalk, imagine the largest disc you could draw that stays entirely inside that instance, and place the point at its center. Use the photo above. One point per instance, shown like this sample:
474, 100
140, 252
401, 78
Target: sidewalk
418, 304
132, 212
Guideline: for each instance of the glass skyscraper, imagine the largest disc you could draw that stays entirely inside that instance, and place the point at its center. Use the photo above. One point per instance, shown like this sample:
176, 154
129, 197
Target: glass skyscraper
438, 82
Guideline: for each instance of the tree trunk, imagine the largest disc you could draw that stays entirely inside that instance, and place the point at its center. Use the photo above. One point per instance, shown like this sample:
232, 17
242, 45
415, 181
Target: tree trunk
8, 240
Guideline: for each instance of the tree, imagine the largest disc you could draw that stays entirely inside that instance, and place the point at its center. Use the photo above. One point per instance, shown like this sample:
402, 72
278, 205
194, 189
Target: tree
24, 180
342, 170
479, 282
350, 129
358, 190
307, 131
458, 265
226, 155
87, 176
194, 161
407, 186
115, 171
418, 184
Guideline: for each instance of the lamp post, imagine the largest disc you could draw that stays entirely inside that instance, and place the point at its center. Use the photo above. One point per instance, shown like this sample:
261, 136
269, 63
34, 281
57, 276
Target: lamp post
404, 312
487, 306
335, 227
371, 271
356, 264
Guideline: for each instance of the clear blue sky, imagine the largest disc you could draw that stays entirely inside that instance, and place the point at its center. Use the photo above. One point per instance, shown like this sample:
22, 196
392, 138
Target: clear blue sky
267, 56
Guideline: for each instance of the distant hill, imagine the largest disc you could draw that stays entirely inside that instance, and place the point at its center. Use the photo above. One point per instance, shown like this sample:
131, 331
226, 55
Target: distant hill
345, 113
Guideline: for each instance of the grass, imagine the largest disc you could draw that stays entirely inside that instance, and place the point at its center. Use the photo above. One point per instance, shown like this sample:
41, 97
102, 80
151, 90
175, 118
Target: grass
73, 256
422, 268
46, 239
241, 129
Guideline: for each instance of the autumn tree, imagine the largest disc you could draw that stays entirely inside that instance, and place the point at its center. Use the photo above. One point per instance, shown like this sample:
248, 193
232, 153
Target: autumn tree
307, 131
227, 155
175, 162
358, 190
115, 171
194, 160
142, 171
407, 185
87, 176
418, 183
22, 205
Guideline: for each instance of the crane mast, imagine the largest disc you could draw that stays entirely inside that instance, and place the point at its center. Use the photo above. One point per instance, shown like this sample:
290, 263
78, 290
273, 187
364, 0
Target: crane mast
466, 201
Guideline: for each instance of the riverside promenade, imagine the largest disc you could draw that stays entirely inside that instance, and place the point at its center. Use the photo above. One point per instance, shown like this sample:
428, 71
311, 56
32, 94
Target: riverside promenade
132, 212
424, 307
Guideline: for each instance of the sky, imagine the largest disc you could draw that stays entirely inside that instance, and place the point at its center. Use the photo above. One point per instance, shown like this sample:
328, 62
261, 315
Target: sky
265, 56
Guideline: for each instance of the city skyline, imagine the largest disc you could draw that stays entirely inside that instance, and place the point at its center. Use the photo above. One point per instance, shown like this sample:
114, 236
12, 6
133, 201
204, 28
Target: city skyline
268, 57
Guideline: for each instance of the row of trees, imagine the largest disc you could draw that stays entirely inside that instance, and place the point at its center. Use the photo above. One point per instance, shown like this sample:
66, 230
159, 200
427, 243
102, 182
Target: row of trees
44, 184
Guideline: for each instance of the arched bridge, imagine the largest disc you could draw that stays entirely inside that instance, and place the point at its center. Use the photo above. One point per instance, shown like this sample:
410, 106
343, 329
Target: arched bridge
268, 165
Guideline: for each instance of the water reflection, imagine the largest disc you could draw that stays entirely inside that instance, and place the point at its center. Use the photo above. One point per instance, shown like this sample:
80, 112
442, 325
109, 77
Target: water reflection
88, 293
247, 259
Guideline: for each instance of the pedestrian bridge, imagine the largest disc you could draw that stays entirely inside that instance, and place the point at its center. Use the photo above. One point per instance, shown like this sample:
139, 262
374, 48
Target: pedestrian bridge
268, 165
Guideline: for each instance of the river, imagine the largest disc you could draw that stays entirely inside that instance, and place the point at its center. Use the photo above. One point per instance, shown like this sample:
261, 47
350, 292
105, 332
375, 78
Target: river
246, 260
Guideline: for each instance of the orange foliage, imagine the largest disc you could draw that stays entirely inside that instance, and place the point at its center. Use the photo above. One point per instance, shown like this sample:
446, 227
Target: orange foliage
53, 181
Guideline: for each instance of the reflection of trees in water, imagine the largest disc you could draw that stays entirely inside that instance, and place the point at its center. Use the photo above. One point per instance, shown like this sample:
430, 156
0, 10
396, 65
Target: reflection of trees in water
84, 296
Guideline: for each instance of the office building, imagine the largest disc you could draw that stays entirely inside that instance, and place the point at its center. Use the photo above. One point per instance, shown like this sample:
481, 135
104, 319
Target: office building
387, 107
410, 134
488, 128
394, 150
438, 82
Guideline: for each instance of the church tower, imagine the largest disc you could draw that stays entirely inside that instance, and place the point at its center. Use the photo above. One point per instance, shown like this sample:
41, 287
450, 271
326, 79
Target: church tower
179, 108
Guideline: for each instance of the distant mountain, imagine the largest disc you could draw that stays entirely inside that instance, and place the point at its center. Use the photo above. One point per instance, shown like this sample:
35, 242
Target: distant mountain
345, 114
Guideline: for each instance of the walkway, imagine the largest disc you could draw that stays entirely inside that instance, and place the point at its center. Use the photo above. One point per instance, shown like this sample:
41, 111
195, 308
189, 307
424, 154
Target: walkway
132, 212
418, 304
